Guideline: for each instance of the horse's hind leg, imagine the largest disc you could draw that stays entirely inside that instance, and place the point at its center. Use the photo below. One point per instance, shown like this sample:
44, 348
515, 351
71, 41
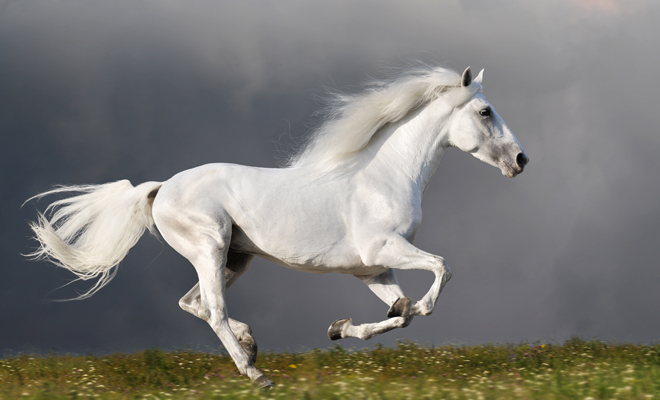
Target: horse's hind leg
204, 241
192, 303
237, 264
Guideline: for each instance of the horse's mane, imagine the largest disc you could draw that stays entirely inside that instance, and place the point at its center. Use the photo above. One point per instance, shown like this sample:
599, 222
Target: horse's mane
350, 121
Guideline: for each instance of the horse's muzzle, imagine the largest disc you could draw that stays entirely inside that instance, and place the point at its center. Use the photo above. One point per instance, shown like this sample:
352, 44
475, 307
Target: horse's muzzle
513, 169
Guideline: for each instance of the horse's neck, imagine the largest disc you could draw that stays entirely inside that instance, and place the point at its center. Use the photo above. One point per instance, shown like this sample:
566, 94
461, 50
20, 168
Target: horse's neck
413, 147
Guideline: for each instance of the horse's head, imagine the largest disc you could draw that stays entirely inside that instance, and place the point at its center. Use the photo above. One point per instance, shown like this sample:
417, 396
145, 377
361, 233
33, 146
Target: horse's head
477, 129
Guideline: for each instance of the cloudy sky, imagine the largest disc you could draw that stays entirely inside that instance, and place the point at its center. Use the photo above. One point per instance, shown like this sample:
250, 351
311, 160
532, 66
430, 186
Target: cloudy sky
97, 91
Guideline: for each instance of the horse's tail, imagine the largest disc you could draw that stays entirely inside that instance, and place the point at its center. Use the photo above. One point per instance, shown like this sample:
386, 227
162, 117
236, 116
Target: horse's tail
91, 232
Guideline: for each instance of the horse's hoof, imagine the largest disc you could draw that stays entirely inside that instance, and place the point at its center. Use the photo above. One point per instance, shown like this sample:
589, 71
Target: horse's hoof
400, 308
250, 346
263, 382
334, 332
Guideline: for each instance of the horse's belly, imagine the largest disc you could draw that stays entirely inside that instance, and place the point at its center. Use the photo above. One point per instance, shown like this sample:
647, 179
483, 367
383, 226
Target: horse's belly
303, 250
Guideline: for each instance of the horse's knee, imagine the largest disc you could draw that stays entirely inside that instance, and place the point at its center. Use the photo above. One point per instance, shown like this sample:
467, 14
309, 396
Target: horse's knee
442, 269
440, 263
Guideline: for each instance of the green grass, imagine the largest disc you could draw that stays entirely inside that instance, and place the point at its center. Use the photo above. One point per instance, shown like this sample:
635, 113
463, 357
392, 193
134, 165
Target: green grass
576, 369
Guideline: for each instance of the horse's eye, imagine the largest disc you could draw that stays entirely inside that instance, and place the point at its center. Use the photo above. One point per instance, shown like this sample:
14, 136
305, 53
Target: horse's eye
485, 112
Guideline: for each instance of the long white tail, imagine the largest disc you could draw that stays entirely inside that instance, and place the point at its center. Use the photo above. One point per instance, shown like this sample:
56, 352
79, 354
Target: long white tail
90, 233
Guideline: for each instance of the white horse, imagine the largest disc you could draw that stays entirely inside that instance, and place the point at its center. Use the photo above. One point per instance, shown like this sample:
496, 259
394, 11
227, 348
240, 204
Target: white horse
349, 202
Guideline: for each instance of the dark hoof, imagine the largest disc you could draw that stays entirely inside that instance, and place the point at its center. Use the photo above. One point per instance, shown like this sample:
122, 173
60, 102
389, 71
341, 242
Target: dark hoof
263, 382
400, 308
250, 347
334, 332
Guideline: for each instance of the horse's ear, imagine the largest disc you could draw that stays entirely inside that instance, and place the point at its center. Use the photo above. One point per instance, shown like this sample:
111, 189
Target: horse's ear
466, 80
479, 77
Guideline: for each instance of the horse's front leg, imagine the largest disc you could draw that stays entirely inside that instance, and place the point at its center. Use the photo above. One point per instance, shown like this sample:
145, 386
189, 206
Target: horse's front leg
386, 287
400, 254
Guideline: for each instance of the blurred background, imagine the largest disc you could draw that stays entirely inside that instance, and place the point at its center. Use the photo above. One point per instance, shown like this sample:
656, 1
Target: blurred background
92, 92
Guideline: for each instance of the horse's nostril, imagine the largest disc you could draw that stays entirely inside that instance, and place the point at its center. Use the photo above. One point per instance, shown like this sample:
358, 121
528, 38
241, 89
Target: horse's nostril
522, 160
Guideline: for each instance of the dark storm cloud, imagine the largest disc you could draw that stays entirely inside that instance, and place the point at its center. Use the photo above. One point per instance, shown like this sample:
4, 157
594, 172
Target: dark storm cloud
95, 92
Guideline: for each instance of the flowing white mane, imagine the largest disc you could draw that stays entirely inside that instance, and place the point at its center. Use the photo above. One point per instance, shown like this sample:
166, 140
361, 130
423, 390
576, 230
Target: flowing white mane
350, 121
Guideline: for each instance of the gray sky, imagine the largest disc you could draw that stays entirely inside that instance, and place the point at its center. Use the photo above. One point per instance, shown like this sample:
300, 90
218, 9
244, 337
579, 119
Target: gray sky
92, 92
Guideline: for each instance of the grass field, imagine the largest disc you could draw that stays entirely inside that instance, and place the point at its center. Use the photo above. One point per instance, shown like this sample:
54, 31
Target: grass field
576, 369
